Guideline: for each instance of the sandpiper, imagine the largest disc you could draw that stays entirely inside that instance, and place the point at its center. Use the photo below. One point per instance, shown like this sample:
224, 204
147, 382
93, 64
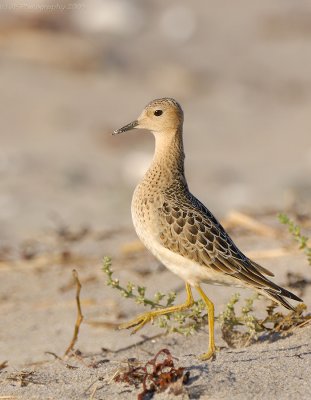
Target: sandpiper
179, 230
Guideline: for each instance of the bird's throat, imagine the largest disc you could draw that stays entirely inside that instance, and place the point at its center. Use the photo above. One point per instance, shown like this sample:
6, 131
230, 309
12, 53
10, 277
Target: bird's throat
168, 160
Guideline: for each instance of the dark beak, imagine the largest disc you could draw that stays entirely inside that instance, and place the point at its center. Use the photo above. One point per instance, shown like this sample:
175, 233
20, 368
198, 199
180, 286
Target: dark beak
127, 127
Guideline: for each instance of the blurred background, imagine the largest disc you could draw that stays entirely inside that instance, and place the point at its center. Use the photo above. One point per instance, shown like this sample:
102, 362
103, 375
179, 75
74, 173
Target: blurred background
73, 71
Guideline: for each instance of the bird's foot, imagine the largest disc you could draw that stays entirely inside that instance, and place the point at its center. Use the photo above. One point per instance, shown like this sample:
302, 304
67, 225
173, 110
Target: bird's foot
210, 355
138, 322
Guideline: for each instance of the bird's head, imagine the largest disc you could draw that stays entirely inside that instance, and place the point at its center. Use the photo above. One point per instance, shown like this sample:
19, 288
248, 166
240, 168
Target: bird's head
159, 116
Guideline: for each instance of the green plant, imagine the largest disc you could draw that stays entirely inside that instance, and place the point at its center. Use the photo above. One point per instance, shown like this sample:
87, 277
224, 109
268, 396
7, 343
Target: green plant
295, 230
230, 322
137, 293
184, 322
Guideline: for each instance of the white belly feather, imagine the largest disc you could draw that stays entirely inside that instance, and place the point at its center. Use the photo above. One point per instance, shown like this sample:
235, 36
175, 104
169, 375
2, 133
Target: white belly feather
188, 270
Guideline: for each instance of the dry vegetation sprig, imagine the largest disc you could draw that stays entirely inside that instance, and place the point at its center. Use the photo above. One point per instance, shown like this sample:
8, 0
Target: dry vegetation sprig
24, 378
275, 322
79, 314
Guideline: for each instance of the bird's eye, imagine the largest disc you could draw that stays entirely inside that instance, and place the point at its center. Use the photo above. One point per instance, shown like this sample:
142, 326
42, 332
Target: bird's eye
157, 113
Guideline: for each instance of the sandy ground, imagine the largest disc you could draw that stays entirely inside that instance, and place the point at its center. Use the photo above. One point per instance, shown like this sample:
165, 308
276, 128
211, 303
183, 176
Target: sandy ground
68, 79
38, 312
238, 374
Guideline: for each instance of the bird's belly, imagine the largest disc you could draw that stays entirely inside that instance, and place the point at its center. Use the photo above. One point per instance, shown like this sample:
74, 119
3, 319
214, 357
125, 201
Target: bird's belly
188, 270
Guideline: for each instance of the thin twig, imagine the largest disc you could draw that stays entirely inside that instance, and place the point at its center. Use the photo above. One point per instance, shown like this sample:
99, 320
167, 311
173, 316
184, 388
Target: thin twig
3, 365
79, 315
54, 355
9, 397
300, 325
94, 391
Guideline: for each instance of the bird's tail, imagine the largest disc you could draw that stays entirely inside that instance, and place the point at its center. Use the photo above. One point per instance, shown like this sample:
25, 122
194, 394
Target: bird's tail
278, 294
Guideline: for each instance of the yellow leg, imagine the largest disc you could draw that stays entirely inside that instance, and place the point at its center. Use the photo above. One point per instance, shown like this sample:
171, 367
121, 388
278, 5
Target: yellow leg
142, 319
211, 353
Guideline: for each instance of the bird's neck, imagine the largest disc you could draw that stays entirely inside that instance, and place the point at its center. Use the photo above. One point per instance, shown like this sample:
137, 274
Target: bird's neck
168, 160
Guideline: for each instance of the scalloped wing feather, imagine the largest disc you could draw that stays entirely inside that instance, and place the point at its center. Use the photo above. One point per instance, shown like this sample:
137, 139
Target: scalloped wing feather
189, 229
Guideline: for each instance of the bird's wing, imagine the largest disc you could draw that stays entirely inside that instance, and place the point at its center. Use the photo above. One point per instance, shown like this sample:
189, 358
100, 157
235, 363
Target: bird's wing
187, 227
